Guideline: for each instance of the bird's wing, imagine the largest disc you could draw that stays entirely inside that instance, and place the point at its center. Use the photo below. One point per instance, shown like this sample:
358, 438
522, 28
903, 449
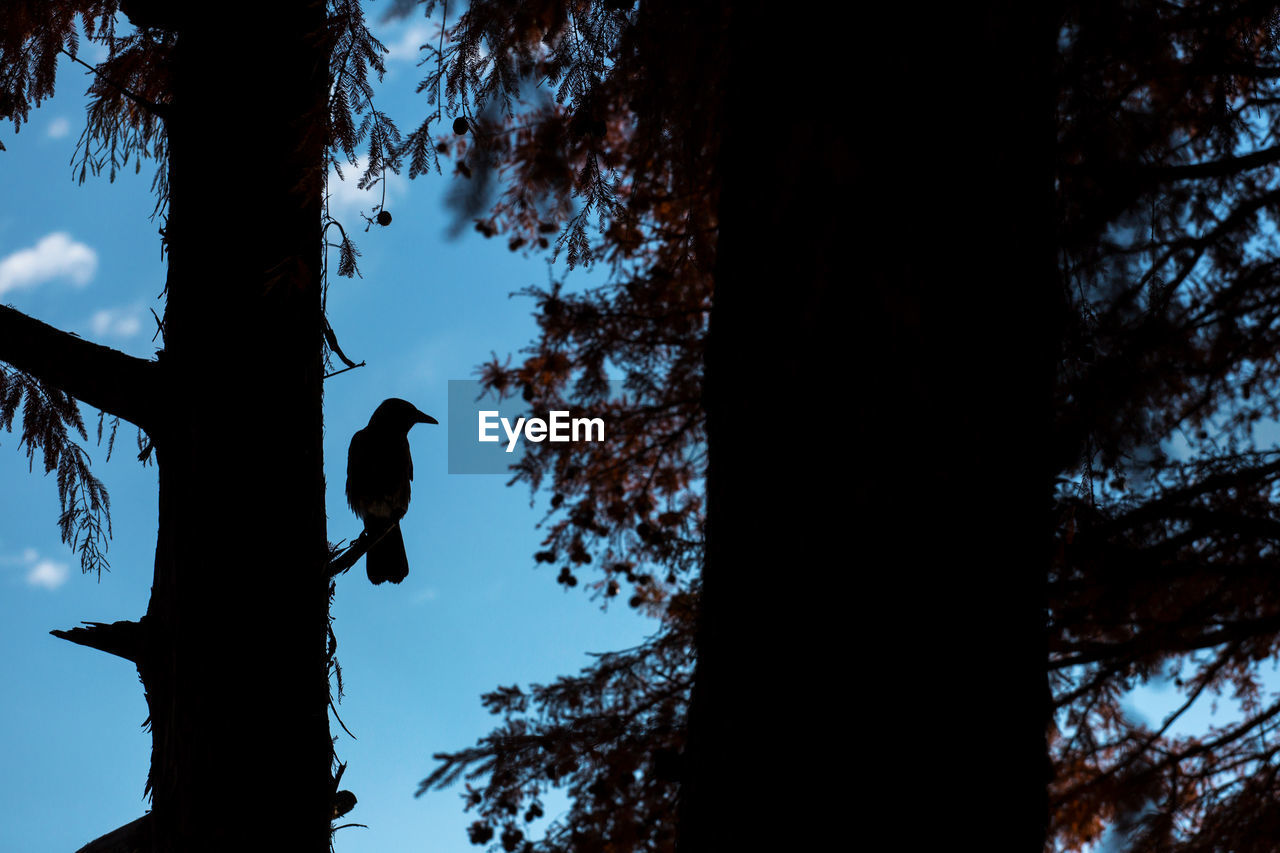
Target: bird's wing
357, 477
378, 474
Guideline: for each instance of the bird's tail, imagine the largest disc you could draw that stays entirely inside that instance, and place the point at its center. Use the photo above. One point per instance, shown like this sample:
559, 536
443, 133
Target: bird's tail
386, 559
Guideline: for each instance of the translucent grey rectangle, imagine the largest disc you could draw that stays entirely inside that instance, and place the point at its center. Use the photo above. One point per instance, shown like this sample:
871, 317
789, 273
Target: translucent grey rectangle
490, 437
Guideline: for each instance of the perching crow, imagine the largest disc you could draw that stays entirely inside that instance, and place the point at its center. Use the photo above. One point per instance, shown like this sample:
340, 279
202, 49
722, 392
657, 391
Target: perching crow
379, 469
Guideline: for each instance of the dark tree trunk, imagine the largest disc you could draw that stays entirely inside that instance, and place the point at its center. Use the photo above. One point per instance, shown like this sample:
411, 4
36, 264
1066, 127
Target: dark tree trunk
235, 668
879, 380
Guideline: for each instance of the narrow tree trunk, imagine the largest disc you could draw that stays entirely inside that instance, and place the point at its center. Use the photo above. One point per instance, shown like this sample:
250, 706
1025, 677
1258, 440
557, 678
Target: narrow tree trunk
235, 672
880, 370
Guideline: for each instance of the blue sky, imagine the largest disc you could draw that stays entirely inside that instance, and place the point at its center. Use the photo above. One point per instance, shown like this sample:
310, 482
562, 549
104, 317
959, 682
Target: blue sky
473, 613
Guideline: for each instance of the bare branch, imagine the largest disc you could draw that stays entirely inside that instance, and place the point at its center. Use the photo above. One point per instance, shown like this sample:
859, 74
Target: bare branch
123, 639
133, 837
104, 378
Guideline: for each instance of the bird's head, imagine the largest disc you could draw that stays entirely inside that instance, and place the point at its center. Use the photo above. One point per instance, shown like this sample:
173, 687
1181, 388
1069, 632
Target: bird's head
394, 413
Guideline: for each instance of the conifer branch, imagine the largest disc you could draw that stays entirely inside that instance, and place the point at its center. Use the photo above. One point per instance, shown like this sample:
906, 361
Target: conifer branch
123, 639
158, 110
104, 378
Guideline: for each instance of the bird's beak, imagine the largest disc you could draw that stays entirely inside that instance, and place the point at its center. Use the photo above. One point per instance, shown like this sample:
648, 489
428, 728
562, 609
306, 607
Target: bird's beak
425, 419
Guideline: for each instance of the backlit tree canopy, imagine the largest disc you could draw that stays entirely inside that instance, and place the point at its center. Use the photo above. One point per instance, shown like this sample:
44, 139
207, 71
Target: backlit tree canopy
569, 119
1166, 546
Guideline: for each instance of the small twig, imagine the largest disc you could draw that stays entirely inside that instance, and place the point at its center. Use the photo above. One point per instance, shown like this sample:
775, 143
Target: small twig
332, 340
159, 324
349, 556
357, 549
343, 370
339, 719
157, 109
345, 825
444, 21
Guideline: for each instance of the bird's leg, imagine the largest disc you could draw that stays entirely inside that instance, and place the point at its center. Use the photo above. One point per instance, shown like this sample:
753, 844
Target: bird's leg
385, 530
349, 556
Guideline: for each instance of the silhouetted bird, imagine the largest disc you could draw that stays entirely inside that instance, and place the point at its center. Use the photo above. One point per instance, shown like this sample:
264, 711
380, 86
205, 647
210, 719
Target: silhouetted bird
379, 469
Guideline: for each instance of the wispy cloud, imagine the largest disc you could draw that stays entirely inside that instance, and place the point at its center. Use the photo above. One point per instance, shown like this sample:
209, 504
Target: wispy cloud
48, 574
41, 572
122, 322
405, 48
424, 366
58, 128
56, 255
344, 197
94, 51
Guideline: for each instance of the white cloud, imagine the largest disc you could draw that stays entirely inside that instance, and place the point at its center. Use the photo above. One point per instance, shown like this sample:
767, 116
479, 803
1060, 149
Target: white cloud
122, 322
346, 198
56, 255
423, 365
48, 574
59, 128
405, 48
425, 595
38, 571
95, 51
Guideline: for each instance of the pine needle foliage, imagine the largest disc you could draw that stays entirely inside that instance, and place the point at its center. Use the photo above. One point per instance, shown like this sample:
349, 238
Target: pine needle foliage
353, 118
613, 166
128, 95
596, 124
591, 157
33, 36
1168, 405
611, 735
48, 420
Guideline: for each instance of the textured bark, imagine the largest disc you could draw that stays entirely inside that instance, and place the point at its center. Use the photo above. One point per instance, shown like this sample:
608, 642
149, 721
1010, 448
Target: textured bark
232, 654
236, 672
879, 378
